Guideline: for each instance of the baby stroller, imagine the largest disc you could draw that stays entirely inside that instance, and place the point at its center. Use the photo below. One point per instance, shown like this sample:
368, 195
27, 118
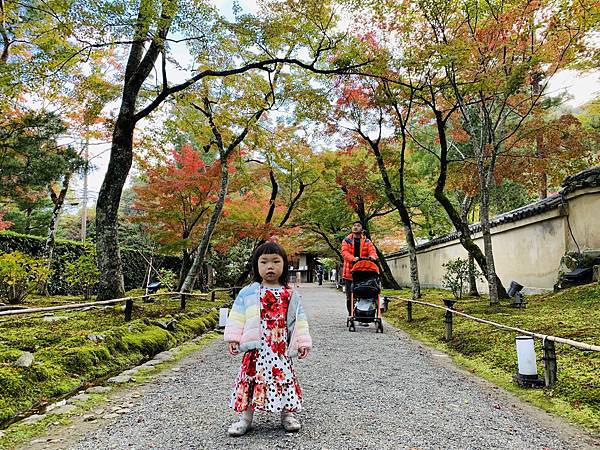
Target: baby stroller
366, 303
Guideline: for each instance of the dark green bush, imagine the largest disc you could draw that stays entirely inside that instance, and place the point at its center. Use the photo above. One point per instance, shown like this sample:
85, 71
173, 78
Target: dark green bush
135, 264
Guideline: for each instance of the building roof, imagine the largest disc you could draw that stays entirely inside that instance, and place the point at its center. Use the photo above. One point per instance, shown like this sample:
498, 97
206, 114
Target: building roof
581, 180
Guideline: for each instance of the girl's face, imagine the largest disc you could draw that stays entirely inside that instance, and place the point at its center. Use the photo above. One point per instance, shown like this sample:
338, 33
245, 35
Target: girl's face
270, 267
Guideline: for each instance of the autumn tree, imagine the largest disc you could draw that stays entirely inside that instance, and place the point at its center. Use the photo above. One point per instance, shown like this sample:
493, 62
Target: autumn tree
175, 200
360, 182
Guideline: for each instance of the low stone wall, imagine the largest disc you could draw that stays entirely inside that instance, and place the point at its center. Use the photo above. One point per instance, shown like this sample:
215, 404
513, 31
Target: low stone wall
528, 243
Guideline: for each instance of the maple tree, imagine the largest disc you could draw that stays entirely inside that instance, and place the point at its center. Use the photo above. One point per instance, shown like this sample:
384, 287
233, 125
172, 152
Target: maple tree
361, 184
474, 66
369, 107
175, 199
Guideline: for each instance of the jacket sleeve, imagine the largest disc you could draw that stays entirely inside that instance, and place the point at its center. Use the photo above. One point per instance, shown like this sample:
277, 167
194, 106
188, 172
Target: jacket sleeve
347, 251
302, 332
372, 251
236, 319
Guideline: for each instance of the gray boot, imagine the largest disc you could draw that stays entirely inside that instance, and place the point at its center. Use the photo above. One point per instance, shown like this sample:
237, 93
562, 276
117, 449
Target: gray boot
242, 426
289, 421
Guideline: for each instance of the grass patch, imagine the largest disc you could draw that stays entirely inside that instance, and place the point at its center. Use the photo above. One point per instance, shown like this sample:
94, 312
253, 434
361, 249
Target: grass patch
21, 433
491, 354
83, 346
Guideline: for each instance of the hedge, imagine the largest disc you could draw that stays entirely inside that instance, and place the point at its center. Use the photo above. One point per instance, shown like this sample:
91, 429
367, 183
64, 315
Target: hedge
134, 264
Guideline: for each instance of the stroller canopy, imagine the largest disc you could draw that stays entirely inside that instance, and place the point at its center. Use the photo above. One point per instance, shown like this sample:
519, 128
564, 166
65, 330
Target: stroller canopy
365, 266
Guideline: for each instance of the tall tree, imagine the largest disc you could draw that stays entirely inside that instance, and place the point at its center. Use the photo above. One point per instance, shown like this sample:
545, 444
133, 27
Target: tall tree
227, 50
175, 201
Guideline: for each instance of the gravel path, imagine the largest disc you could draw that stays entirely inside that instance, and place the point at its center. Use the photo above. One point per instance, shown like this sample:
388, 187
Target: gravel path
362, 391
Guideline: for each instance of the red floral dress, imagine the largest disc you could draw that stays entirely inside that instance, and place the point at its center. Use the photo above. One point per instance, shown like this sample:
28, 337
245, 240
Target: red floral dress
267, 381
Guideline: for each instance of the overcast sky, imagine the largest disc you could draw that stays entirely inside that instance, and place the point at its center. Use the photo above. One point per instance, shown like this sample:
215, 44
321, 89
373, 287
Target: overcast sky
580, 88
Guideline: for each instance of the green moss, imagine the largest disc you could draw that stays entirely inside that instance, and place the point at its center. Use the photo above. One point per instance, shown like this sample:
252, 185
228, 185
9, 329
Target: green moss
81, 360
65, 357
150, 341
490, 352
13, 381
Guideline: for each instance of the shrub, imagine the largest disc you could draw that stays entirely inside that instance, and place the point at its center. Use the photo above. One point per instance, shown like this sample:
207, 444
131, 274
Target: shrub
135, 265
167, 278
20, 275
82, 273
456, 277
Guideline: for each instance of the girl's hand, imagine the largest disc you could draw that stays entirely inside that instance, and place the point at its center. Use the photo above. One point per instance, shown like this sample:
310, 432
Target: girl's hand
303, 352
234, 348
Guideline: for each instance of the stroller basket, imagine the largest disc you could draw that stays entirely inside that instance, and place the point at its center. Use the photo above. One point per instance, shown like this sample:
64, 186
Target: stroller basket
365, 308
368, 287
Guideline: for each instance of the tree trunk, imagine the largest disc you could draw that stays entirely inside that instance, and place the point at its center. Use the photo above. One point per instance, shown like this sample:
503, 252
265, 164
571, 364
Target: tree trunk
186, 263
412, 251
461, 227
190, 280
111, 283
487, 236
58, 201
402, 211
473, 292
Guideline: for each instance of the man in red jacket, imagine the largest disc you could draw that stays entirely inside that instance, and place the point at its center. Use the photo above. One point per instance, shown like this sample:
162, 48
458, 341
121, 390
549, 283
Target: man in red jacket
355, 246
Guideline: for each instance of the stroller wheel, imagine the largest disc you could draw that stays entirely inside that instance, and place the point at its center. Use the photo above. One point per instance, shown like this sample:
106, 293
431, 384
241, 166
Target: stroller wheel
352, 327
380, 328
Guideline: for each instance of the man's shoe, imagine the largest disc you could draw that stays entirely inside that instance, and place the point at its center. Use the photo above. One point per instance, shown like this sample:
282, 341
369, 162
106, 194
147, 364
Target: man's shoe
290, 423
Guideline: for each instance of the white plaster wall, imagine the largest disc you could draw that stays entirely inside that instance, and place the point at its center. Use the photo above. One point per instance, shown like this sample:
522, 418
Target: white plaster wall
584, 217
527, 251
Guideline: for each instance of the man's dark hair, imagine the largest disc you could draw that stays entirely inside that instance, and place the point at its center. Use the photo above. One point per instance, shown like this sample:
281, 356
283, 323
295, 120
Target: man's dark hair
358, 222
271, 248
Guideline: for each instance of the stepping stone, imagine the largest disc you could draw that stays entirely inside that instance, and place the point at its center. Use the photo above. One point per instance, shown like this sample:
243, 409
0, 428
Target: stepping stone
66, 409
120, 379
79, 398
98, 389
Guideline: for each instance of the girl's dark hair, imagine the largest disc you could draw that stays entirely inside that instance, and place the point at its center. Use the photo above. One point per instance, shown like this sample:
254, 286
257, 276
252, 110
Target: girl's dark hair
271, 248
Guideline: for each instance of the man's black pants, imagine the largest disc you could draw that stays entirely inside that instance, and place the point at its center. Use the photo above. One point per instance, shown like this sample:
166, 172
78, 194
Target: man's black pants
348, 296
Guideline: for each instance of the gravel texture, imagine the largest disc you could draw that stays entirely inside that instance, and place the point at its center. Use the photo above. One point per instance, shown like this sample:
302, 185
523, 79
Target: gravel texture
362, 390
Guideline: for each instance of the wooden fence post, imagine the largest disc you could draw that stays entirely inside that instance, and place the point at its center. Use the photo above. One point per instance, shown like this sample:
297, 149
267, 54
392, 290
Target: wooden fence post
183, 300
550, 367
212, 295
448, 319
448, 326
409, 311
128, 309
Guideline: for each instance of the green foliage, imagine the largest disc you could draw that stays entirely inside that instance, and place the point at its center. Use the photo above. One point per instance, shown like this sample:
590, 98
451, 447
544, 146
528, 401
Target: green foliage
135, 265
456, 277
229, 265
82, 273
20, 275
168, 278
490, 352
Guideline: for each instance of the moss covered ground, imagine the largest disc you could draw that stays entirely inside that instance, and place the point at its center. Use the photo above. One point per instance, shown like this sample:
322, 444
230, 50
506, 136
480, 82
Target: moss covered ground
66, 356
490, 352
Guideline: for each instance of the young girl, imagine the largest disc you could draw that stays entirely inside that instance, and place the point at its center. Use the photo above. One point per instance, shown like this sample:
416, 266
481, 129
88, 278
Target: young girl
267, 323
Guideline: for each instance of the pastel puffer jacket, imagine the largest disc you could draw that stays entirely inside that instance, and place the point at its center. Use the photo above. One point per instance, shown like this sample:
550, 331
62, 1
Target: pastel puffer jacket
243, 323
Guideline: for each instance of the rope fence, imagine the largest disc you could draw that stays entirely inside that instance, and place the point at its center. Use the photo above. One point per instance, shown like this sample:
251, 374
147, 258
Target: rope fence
550, 366
184, 296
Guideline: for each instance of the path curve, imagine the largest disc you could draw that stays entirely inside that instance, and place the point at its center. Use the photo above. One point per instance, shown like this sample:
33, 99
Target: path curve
362, 391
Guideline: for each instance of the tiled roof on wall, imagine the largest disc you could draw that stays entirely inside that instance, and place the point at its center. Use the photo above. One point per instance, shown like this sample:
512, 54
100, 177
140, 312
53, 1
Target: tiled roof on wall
581, 180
